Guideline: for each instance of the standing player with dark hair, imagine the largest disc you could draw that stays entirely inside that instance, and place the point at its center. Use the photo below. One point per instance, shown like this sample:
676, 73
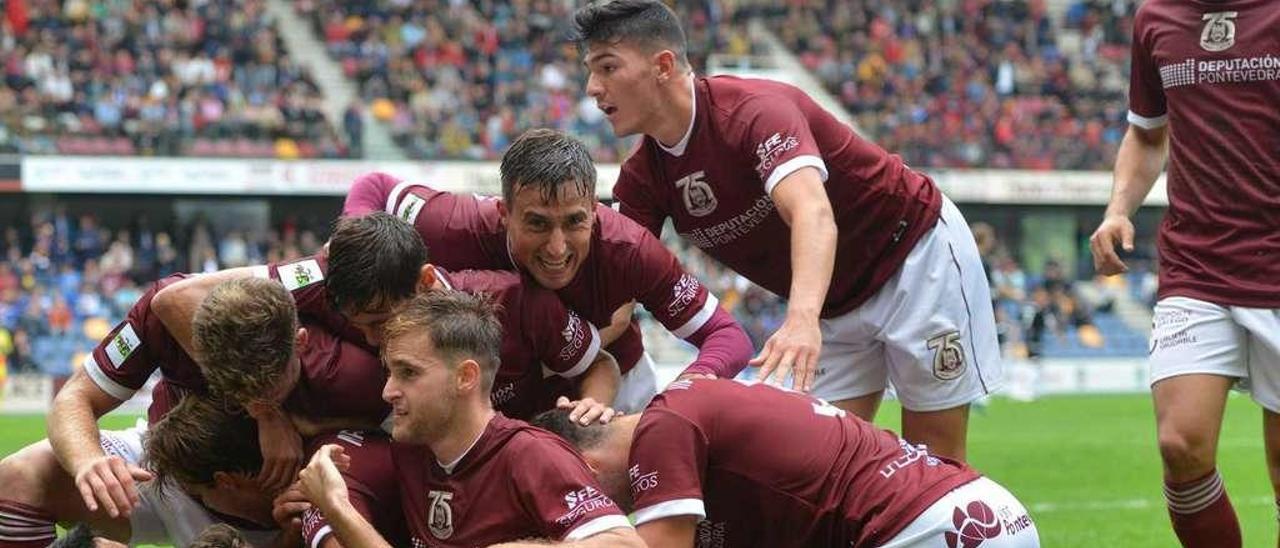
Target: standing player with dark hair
549, 225
879, 269
756, 465
1204, 91
468, 476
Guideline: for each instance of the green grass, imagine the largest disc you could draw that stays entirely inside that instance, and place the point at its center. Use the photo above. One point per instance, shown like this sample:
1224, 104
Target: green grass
1086, 466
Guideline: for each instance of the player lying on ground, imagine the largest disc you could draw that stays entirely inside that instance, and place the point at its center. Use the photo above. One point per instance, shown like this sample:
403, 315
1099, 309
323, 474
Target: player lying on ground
756, 465
549, 225
249, 327
879, 269
467, 476
375, 262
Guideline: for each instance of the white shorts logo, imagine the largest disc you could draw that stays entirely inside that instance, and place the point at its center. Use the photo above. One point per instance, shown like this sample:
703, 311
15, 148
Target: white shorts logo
440, 516
948, 356
1219, 32
123, 345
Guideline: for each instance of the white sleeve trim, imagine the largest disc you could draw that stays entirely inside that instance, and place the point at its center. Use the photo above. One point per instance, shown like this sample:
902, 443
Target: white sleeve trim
588, 358
100, 378
791, 166
597, 526
670, 509
1148, 123
317, 538
698, 320
395, 194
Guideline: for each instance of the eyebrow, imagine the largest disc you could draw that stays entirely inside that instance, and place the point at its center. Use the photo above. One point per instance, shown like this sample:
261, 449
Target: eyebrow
596, 57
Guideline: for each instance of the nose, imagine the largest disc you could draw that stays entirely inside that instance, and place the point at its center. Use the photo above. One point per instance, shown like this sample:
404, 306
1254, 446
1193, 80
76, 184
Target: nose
594, 89
389, 390
557, 245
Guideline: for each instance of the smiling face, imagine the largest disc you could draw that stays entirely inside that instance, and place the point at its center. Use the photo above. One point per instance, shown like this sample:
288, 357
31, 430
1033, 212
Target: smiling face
550, 238
623, 80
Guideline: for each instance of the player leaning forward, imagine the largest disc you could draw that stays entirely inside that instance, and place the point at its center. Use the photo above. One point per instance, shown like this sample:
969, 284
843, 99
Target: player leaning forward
878, 267
1205, 88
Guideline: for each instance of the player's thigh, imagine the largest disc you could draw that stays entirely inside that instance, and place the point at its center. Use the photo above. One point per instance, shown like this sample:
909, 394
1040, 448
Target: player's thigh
937, 324
34, 477
981, 512
1271, 440
852, 370
944, 431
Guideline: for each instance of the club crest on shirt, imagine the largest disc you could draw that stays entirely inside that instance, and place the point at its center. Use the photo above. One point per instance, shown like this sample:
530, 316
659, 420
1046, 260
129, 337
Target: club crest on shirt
1219, 31
948, 356
699, 200
440, 516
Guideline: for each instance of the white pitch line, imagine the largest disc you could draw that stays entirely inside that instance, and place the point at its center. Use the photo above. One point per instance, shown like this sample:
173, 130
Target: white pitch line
1125, 504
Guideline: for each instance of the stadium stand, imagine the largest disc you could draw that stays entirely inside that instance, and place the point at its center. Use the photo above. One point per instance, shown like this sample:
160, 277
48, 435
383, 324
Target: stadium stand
155, 78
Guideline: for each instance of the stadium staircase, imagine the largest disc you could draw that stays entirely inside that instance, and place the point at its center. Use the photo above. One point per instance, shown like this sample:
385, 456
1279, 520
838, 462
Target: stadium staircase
309, 51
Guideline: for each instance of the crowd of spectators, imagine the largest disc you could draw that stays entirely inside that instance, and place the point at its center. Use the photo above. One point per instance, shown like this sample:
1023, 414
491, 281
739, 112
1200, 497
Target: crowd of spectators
972, 83
125, 77
463, 79
65, 281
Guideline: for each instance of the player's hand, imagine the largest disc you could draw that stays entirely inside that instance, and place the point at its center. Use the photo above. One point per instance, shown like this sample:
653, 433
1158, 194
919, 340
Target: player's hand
793, 349
586, 410
110, 482
321, 480
287, 508
281, 450
1115, 229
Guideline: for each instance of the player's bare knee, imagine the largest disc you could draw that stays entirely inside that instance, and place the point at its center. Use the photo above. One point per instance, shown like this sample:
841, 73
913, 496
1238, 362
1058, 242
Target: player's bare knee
26, 474
1186, 455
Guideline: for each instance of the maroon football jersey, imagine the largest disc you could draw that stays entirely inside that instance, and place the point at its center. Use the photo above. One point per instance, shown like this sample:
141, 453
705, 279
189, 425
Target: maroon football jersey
781, 469
124, 360
371, 487
747, 135
625, 263
516, 482
1211, 71
339, 379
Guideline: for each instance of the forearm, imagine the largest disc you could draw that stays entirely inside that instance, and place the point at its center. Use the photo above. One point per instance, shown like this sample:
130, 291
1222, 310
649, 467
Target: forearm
350, 528
601, 380
723, 347
1138, 165
73, 430
618, 324
176, 304
813, 252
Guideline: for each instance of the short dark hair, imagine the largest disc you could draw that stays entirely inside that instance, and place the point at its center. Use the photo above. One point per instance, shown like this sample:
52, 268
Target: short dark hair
374, 261
547, 159
648, 23
557, 421
219, 535
243, 337
80, 536
461, 326
198, 437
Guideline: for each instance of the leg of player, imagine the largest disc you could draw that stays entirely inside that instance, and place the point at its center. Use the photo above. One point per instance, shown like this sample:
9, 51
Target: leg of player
943, 431
37, 494
1271, 435
1189, 412
864, 407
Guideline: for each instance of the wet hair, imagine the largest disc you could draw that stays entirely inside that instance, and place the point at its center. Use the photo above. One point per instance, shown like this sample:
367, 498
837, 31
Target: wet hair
460, 325
199, 437
649, 24
219, 535
374, 261
547, 159
557, 421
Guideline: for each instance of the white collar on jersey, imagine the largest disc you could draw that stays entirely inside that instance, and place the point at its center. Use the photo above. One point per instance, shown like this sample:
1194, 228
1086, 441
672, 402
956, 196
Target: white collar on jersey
678, 150
448, 467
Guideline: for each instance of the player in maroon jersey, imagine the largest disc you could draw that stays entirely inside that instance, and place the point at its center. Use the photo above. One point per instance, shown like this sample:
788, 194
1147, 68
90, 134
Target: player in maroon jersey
1204, 87
549, 225
785, 469
882, 276
372, 488
375, 262
468, 476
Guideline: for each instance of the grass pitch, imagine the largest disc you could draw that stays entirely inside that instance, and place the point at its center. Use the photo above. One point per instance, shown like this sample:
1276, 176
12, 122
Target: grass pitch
1086, 466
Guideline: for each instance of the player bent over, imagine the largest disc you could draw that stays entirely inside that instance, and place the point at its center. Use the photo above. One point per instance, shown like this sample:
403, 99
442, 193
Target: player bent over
468, 476
755, 465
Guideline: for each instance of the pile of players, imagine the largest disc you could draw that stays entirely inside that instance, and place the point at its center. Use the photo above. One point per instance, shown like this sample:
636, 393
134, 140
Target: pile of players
448, 320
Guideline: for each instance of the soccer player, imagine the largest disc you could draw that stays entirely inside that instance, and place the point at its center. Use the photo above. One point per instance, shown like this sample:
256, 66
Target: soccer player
83, 474
375, 261
751, 464
550, 226
468, 476
879, 269
1203, 90
372, 489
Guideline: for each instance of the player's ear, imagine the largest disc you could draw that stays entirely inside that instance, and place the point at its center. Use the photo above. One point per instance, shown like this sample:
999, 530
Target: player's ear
468, 376
664, 63
426, 277
502, 208
301, 337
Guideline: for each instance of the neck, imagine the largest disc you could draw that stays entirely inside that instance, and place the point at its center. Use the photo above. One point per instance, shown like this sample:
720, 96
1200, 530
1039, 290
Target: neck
467, 426
673, 121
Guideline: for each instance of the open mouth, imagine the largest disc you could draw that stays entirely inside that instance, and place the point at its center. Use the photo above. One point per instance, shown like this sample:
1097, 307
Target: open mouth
608, 110
555, 266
